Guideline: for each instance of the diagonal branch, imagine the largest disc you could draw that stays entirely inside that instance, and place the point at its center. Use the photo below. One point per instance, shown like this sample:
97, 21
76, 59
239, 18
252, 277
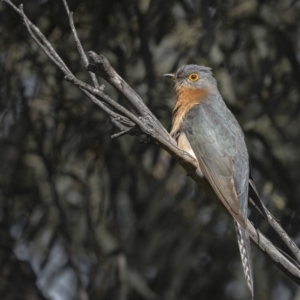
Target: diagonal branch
283, 235
285, 265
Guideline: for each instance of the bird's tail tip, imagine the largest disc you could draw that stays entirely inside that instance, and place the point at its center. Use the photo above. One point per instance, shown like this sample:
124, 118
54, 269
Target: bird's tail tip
245, 251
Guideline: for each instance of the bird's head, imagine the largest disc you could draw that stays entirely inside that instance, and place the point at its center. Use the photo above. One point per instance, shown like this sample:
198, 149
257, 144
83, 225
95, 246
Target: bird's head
193, 77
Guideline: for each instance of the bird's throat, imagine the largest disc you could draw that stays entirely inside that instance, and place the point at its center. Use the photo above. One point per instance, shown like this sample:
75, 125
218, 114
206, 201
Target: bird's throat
186, 99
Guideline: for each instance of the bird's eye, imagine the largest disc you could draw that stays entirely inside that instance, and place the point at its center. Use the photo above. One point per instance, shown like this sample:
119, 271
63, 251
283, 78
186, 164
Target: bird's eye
193, 76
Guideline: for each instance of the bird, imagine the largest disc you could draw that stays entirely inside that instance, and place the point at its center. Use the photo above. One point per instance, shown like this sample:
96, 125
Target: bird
203, 126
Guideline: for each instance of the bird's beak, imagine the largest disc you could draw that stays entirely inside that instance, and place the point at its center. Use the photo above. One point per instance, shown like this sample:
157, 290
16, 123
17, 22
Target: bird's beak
171, 75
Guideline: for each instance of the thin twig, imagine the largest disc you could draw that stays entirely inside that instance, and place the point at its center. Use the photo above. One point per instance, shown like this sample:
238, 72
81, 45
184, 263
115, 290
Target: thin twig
79, 46
35, 32
277, 258
283, 235
111, 113
273, 222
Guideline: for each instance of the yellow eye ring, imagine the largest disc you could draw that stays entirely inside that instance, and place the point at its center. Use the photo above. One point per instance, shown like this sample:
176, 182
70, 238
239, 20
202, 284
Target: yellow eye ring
193, 77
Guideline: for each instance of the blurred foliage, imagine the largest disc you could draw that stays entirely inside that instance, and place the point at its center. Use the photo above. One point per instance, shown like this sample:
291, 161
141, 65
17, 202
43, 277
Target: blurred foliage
83, 216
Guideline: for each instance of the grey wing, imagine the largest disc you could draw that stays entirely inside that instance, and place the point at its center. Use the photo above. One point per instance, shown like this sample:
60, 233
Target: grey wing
218, 143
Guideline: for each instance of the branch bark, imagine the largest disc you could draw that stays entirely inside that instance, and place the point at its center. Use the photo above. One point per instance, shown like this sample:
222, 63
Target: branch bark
145, 123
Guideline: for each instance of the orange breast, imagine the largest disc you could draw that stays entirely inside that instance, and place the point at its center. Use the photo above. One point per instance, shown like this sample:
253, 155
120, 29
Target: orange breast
185, 100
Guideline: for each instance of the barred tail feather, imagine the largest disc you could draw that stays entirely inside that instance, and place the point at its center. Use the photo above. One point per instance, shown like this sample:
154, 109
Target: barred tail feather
245, 251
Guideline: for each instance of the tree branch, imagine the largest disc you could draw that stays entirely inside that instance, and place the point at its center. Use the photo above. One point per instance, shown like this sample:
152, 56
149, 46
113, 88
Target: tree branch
285, 265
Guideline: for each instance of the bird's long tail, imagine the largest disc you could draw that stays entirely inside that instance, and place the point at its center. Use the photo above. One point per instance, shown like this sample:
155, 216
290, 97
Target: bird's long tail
245, 250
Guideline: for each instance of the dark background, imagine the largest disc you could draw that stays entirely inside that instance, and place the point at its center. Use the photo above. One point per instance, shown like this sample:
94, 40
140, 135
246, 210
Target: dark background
83, 216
